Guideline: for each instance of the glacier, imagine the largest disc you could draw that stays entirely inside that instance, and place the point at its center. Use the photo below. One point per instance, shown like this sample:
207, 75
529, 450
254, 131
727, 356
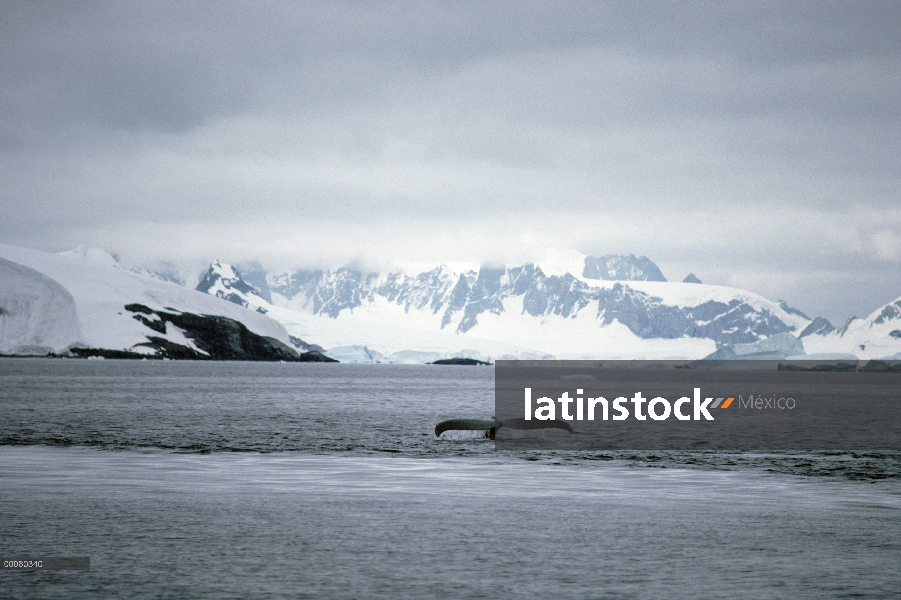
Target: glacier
77, 302
37, 315
567, 310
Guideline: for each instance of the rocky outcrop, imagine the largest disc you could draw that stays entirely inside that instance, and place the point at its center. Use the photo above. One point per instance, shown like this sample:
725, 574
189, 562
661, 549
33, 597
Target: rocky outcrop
316, 357
691, 278
460, 361
213, 337
819, 326
791, 310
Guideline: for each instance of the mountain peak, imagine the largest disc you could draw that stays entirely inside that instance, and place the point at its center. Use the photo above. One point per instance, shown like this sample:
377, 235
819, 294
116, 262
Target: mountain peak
225, 281
223, 270
617, 267
819, 326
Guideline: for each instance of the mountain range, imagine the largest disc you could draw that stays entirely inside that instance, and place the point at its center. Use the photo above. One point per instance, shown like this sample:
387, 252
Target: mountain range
84, 302
582, 307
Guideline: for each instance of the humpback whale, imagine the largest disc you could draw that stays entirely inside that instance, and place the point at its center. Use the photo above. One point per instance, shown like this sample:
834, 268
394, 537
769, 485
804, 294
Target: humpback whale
490, 426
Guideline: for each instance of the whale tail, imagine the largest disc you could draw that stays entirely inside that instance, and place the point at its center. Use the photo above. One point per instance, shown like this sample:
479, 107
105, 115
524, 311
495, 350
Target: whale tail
490, 426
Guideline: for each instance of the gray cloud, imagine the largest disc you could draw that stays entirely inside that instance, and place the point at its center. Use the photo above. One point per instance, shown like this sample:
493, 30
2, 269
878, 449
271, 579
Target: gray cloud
756, 143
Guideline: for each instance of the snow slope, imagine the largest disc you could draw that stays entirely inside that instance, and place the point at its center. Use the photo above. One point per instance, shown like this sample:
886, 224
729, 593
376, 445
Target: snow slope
77, 298
877, 336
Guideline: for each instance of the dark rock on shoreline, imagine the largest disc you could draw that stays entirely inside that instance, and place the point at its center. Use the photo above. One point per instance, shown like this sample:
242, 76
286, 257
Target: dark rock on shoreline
316, 356
299, 343
220, 338
460, 361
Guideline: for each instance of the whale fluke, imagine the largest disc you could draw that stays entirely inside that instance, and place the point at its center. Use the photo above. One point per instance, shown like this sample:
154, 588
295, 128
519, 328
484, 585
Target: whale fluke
492, 425
464, 425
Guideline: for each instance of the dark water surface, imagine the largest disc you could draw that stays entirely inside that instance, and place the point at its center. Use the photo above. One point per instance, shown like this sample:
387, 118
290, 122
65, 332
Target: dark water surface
234, 480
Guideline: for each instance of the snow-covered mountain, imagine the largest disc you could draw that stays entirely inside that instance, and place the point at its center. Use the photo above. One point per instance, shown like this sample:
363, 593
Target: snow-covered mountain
83, 302
564, 310
877, 336
224, 281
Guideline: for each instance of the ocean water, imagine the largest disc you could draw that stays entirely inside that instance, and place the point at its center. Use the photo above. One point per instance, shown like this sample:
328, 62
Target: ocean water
237, 480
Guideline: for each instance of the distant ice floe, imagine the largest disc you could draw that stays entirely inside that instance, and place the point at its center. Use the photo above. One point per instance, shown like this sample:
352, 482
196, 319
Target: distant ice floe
359, 354
778, 346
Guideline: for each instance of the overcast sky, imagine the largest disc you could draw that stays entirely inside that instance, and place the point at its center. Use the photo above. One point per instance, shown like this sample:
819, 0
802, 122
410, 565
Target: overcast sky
755, 144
